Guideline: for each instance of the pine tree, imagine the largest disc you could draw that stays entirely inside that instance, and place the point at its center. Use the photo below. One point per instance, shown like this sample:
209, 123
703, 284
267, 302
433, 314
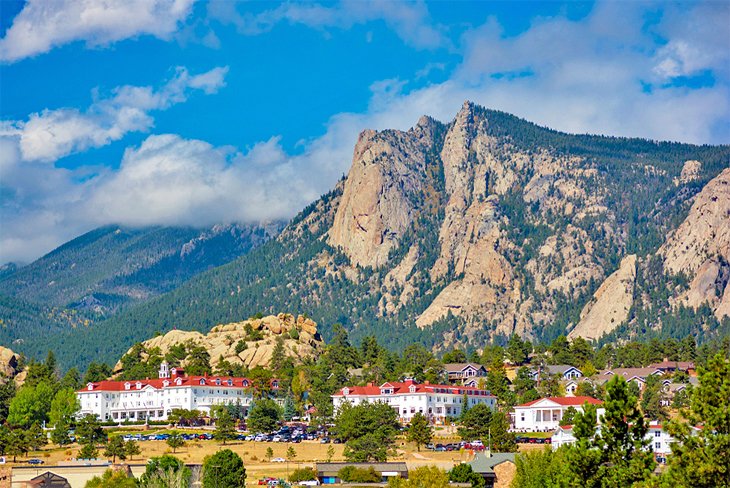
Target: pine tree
175, 440
419, 432
115, 448
225, 429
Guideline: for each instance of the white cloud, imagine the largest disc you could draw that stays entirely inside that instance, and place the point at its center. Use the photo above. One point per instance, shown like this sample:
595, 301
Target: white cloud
43, 25
409, 20
52, 134
580, 76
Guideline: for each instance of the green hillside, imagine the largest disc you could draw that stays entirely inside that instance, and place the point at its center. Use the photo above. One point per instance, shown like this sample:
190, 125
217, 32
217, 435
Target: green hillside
300, 272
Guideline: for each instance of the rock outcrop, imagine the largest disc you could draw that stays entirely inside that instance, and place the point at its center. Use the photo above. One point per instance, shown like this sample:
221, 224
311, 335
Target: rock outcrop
610, 304
378, 204
9, 367
700, 247
259, 336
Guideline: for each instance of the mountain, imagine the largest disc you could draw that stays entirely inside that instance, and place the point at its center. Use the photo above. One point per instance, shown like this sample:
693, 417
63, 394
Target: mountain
466, 232
109, 269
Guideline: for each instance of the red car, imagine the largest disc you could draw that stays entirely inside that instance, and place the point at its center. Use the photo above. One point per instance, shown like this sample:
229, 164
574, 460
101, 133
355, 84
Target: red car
265, 481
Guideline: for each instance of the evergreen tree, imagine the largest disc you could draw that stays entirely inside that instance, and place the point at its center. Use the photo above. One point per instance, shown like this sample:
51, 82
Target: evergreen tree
175, 441
131, 448
225, 428
263, 416
419, 431
115, 448
369, 430
701, 456
291, 454
224, 469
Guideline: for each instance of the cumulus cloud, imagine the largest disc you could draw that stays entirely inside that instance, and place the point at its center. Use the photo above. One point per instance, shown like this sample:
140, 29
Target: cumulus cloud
595, 75
43, 25
409, 20
52, 134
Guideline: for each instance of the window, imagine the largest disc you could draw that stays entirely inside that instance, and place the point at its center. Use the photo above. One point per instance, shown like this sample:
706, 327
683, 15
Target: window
657, 433
657, 445
522, 416
202, 381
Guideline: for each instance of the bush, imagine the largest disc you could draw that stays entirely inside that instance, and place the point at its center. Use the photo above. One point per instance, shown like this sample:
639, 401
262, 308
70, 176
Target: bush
303, 474
351, 474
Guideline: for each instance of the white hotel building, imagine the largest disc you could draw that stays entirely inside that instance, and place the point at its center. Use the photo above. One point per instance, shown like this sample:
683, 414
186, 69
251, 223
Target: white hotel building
435, 402
545, 414
140, 400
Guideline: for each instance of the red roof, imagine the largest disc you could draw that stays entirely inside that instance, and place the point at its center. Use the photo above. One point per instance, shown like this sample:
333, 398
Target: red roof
158, 383
566, 401
405, 388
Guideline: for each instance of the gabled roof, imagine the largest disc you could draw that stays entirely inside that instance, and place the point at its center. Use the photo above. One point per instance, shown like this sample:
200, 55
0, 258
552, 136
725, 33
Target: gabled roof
666, 364
575, 401
631, 372
405, 388
459, 367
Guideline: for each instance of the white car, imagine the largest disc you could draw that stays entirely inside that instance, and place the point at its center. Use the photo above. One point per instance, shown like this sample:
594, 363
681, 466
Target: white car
309, 483
278, 460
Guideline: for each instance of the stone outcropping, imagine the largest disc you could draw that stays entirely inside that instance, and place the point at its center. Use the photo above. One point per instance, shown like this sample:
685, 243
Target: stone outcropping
377, 204
610, 304
299, 337
9, 367
700, 247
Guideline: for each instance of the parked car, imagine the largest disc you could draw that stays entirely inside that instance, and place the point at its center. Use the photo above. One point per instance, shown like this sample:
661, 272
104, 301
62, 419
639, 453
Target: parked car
278, 460
265, 481
35, 461
309, 483
324, 440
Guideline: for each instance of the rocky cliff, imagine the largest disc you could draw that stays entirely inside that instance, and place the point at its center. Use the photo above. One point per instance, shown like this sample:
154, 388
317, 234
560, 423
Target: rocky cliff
465, 232
700, 247
250, 342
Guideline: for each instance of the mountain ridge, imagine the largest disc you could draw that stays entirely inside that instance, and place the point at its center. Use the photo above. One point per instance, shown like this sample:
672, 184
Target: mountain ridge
478, 228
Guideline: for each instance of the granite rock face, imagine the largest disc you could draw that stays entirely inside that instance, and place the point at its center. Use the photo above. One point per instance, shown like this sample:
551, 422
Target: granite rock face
298, 335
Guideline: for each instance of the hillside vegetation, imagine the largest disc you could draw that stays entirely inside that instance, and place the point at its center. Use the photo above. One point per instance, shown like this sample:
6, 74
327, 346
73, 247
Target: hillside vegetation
464, 233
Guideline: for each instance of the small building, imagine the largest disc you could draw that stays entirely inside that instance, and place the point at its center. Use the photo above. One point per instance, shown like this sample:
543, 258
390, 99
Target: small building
48, 480
669, 367
328, 473
632, 375
484, 464
565, 371
659, 439
563, 436
545, 414
465, 373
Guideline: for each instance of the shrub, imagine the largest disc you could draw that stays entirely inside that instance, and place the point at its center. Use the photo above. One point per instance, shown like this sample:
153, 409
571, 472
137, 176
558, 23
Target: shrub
303, 474
351, 474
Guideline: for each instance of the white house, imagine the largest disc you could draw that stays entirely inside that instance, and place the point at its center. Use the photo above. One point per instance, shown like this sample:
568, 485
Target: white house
545, 414
435, 402
660, 440
465, 373
565, 371
563, 436
140, 400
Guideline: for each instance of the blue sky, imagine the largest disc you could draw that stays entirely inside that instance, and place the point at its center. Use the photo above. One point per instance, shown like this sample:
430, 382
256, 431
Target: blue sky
177, 112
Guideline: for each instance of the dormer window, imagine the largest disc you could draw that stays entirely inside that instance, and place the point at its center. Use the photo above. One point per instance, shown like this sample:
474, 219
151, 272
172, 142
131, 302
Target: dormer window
386, 391
275, 384
202, 381
412, 388
127, 386
245, 383
165, 383
218, 381
230, 382
345, 391
178, 381
138, 385
90, 386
